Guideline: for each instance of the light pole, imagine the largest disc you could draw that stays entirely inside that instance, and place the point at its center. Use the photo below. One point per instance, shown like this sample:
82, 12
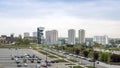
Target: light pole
46, 60
93, 58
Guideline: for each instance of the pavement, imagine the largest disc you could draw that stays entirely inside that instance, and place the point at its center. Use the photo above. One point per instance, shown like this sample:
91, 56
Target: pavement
6, 62
85, 62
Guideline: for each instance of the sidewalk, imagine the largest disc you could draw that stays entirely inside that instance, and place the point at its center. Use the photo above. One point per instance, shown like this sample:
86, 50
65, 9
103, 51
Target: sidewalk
109, 66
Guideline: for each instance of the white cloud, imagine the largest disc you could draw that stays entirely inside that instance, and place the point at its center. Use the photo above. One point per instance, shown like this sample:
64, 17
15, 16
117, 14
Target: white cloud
62, 24
94, 17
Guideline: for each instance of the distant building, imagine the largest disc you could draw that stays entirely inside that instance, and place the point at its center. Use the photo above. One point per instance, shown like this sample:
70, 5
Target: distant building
71, 36
4, 39
48, 37
34, 34
52, 37
81, 36
40, 37
26, 34
101, 39
31, 39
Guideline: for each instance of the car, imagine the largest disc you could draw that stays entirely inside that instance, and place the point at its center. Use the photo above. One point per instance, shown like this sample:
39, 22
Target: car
90, 59
39, 58
12, 58
79, 57
17, 61
49, 64
70, 54
24, 60
38, 66
75, 56
54, 61
32, 61
19, 65
82, 57
21, 56
48, 61
38, 61
25, 65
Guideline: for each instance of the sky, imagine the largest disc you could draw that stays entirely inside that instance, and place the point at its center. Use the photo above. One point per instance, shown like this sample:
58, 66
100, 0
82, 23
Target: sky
97, 17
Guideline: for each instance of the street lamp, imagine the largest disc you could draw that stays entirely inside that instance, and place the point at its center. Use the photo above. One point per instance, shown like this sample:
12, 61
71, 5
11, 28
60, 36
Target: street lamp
93, 57
46, 60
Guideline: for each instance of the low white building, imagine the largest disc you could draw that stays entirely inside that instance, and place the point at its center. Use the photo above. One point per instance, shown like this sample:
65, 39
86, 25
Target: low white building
101, 39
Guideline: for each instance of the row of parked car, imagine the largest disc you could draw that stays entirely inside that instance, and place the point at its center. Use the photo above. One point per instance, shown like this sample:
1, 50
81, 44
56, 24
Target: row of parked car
70, 55
21, 61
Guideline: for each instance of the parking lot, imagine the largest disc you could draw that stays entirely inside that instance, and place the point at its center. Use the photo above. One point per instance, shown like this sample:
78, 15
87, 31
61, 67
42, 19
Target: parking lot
23, 58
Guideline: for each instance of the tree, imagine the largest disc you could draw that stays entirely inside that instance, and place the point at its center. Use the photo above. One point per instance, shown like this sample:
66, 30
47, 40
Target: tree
26, 41
115, 58
77, 51
96, 44
96, 55
85, 53
104, 57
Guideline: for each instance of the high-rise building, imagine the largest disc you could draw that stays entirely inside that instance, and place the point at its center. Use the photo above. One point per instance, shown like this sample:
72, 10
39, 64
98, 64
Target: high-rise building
40, 37
48, 37
52, 37
26, 34
81, 36
34, 34
71, 36
101, 39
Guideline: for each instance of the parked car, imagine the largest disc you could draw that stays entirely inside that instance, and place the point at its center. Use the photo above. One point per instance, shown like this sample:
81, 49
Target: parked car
54, 61
19, 65
12, 58
46, 64
25, 64
38, 61
32, 61
38, 66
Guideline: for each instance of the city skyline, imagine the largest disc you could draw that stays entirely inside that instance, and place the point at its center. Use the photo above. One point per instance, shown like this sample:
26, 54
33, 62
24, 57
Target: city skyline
97, 17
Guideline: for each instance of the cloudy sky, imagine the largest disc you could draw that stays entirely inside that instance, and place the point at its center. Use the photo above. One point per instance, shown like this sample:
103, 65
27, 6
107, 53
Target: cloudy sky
97, 17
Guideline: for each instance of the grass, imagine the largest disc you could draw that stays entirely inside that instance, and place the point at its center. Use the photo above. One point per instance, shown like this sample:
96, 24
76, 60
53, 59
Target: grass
54, 54
69, 64
51, 56
72, 60
76, 67
1, 66
47, 53
58, 55
62, 60
90, 67
14, 46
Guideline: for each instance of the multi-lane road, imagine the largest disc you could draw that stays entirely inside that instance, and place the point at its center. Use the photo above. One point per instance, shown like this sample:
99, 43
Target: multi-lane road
83, 61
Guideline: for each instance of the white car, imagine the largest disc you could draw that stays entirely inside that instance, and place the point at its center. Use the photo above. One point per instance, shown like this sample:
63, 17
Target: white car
38, 66
25, 64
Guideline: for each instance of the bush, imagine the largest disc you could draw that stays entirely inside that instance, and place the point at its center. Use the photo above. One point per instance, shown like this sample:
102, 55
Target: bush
104, 57
115, 58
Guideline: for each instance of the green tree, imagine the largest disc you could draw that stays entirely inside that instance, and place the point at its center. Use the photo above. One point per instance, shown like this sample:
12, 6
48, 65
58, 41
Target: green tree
85, 53
104, 57
96, 55
26, 41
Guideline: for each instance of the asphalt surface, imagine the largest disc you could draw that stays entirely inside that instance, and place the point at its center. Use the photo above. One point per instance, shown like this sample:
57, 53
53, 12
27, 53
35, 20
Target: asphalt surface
85, 62
5, 57
6, 62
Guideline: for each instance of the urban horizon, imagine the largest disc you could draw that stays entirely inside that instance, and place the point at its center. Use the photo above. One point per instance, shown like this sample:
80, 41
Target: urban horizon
76, 34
